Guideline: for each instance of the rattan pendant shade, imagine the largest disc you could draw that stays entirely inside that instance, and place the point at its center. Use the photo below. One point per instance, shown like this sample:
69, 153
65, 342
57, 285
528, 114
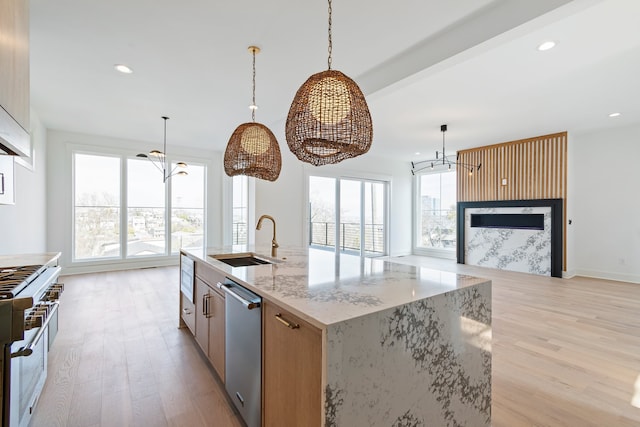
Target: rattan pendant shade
252, 149
329, 119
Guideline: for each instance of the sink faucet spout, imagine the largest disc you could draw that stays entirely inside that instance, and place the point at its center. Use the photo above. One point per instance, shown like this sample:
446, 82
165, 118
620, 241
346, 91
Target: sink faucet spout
274, 242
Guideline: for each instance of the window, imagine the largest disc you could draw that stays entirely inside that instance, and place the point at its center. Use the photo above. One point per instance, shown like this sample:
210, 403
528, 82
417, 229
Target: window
374, 217
436, 211
360, 209
240, 207
146, 210
187, 209
322, 211
121, 208
96, 207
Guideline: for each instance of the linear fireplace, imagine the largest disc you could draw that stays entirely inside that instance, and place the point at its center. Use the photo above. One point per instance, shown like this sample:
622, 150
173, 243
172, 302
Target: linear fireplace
515, 235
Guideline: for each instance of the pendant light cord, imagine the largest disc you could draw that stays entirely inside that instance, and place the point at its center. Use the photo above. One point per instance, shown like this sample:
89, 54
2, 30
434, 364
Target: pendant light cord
253, 110
330, 49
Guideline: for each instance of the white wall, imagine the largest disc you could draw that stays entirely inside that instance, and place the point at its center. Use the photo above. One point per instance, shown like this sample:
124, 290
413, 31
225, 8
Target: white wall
285, 199
604, 204
24, 224
59, 187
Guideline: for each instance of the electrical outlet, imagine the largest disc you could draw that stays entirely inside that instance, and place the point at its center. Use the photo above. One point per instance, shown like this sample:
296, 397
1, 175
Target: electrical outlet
504, 181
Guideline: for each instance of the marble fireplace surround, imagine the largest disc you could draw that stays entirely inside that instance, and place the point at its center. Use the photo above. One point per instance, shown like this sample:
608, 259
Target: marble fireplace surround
494, 206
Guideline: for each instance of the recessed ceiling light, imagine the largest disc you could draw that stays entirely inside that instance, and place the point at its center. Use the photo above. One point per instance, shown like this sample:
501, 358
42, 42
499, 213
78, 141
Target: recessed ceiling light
417, 153
547, 45
123, 68
614, 114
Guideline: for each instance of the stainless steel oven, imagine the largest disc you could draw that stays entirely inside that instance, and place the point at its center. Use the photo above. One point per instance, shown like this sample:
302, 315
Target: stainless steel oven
28, 323
28, 374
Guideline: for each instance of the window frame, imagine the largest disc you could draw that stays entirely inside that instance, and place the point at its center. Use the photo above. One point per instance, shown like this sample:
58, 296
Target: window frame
124, 257
417, 215
227, 214
339, 175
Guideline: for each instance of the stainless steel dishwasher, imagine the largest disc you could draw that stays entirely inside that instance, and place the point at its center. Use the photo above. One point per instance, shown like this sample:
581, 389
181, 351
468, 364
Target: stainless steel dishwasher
243, 351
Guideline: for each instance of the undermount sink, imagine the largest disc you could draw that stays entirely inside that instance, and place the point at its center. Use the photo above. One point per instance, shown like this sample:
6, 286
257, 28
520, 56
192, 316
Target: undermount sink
241, 259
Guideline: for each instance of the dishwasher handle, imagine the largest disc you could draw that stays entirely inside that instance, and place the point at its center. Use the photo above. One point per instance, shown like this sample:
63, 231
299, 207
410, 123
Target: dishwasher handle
230, 291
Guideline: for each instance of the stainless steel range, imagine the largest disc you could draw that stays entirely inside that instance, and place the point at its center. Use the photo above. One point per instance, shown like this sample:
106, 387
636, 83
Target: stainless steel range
28, 324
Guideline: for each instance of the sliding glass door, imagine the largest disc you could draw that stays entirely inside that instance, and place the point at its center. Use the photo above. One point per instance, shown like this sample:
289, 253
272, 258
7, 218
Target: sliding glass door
348, 214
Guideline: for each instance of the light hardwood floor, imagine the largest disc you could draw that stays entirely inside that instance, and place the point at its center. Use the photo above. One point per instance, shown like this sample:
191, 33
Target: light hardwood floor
120, 360
566, 352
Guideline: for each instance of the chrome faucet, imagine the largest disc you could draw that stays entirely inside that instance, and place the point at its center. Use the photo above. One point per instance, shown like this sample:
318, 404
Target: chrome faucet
274, 243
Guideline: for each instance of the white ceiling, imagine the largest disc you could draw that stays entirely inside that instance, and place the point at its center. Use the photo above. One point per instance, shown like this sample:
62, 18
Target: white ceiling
470, 63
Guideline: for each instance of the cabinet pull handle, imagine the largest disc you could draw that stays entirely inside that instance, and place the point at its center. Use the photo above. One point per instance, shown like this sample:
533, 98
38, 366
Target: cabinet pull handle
204, 304
209, 314
186, 311
286, 322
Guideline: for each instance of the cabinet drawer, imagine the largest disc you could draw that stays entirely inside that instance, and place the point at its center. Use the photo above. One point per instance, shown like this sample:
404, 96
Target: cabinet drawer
188, 312
210, 276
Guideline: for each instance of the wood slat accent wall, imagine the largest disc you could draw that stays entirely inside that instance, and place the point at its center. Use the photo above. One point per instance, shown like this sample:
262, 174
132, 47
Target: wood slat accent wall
535, 168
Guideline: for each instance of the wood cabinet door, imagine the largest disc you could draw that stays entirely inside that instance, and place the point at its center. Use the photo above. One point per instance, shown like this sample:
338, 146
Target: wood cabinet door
216, 332
292, 363
201, 297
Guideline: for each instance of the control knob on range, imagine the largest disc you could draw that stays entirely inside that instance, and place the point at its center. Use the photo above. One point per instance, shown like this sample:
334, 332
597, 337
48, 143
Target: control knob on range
33, 321
36, 316
54, 291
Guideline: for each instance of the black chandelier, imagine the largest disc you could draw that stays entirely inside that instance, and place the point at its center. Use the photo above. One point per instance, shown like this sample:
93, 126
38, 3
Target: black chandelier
443, 161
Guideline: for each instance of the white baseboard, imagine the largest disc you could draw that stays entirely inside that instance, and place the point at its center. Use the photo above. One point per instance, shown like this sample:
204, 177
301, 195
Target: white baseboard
608, 275
403, 253
117, 266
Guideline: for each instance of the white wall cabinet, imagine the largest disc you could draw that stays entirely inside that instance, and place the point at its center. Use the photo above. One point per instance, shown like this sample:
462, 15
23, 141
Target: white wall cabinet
14, 78
7, 188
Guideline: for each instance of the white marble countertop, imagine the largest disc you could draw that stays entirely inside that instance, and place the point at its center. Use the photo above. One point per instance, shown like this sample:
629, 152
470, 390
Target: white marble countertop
23, 260
326, 289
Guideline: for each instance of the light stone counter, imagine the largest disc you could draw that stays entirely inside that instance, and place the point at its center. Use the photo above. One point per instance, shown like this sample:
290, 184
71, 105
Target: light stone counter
405, 345
46, 258
327, 289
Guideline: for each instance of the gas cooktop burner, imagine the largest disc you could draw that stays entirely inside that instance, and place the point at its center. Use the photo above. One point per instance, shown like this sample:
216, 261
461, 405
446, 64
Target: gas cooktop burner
13, 279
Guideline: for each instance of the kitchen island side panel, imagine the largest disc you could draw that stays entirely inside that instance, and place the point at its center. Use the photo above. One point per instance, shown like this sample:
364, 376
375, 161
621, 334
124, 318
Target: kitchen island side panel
421, 364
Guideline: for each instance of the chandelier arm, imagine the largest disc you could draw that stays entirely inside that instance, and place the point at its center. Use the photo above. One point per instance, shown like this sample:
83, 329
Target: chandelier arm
438, 159
413, 171
469, 165
173, 171
413, 164
156, 164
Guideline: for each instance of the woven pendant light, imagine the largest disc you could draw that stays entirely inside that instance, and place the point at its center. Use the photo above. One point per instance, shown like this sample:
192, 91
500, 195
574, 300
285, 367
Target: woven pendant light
252, 149
329, 119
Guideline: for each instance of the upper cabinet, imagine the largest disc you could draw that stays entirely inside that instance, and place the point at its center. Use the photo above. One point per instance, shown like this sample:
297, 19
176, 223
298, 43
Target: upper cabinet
14, 77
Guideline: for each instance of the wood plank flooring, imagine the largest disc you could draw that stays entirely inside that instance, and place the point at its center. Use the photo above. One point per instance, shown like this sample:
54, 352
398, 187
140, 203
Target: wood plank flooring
120, 360
566, 352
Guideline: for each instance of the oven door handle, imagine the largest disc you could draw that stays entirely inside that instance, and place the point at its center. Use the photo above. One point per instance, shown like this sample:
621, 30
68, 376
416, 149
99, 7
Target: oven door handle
28, 349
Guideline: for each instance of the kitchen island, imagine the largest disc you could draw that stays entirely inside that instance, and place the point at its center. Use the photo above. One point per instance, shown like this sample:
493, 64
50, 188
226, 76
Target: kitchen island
395, 345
